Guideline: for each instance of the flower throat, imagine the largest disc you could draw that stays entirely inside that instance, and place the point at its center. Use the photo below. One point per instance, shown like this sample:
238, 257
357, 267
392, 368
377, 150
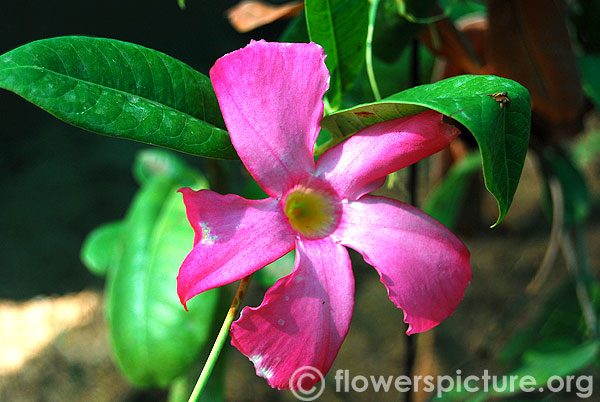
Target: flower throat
312, 212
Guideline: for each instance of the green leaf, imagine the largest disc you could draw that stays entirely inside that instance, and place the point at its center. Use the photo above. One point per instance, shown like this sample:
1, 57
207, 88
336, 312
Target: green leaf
276, 270
539, 368
501, 129
558, 321
457, 9
446, 200
340, 27
121, 90
543, 366
589, 65
585, 16
587, 148
460, 395
393, 32
153, 162
296, 31
576, 201
102, 247
154, 339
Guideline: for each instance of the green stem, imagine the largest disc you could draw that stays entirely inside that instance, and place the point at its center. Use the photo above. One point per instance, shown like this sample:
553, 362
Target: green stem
220, 341
369, 50
411, 340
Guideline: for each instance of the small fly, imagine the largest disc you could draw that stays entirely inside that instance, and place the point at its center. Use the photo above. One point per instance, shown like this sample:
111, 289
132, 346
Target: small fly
502, 98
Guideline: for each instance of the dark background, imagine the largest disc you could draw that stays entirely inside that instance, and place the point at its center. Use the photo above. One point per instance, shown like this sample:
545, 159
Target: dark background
58, 182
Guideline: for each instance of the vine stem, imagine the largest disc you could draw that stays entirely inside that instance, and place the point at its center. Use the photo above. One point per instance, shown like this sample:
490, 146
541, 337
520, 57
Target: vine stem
369, 50
220, 341
411, 340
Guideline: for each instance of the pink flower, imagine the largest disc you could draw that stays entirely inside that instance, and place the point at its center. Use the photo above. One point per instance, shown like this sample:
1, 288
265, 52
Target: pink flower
271, 96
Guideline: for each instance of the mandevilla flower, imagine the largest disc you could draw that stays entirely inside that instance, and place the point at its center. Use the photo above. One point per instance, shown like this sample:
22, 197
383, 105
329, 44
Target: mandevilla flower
271, 96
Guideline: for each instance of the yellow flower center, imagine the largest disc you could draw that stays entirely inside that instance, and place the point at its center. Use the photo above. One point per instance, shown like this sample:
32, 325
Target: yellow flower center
313, 212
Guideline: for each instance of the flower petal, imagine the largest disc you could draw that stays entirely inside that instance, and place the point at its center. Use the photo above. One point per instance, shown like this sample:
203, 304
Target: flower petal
271, 96
234, 238
303, 319
358, 165
424, 267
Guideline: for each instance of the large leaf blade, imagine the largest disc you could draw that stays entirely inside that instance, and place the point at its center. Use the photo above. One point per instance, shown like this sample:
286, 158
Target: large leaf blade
120, 89
501, 129
154, 339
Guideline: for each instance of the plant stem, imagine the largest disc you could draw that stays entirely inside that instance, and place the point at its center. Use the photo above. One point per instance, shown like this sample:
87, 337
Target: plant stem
369, 50
220, 341
411, 340
415, 79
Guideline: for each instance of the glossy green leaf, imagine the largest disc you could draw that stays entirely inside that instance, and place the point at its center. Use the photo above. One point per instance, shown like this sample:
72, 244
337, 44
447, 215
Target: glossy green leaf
446, 200
154, 339
501, 129
102, 247
340, 27
120, 89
